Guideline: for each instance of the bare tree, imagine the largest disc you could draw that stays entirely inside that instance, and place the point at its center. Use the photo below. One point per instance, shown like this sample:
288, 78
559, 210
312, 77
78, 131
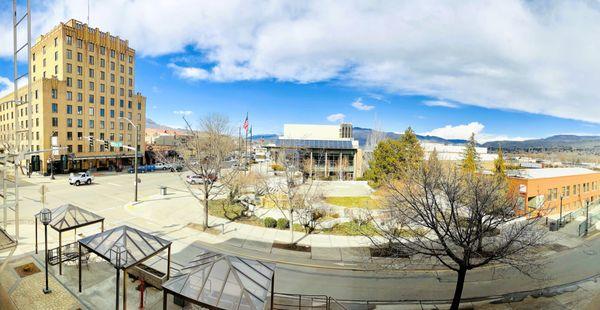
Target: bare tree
464, 221
208, 149
293, 193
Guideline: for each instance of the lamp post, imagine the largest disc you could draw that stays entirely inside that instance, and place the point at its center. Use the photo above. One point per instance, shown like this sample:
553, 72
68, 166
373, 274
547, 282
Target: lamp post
135, 161
560, 216
587, 212
119, 256
45, 218
52, 156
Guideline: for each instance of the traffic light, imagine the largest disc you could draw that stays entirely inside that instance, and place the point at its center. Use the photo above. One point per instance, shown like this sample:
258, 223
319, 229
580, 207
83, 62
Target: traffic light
91, 140
106, 145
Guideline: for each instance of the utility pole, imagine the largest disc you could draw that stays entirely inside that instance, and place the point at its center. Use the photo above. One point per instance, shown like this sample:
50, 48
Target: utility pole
135, 160
560, 216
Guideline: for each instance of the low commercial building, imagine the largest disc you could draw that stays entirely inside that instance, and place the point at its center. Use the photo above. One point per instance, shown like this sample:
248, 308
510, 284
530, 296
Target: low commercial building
452, 152
324, 151
543, 191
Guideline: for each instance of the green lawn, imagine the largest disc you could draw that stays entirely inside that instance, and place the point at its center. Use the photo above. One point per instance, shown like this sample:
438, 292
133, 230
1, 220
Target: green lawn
352, 228
354, 202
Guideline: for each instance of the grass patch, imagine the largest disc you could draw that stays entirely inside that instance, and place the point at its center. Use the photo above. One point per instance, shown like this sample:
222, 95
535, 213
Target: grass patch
233, 212
354, 202
352, 228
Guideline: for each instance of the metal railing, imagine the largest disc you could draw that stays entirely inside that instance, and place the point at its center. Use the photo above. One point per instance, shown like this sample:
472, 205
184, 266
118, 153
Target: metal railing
284, 301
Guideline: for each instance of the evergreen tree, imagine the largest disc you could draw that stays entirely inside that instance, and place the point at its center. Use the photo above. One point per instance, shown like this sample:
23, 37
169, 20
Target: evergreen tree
392, 158
471, 158
499, 165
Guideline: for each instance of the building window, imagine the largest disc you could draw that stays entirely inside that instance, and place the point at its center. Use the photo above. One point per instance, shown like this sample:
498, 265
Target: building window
69, 54
91, 98
101, 124
56, 56
102, 62
80, 148
70, 148
54, 93
112, 113
91, 111
79, 57
102, 50
69, 40
79, 43
79, 110
91, 73
79, 97
69, 82
91, 123
91, 86
112, 102
69, 135
79, 123
69, 68
69, 122
91, 46
54, 108
69, 109
79, 70
55, 121
101, 112
112, 53
101, 99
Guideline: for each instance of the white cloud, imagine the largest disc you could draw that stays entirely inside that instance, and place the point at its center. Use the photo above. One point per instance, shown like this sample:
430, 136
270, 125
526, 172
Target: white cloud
338, 117
464, 132
183, 112
359, 105
189, 73
440, 103
6, 86
533, 56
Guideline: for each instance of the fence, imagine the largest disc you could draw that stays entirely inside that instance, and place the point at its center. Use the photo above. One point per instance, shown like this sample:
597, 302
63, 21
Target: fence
284, 301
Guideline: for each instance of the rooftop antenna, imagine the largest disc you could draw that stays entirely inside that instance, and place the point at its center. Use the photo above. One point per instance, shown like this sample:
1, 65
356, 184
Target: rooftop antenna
88, 13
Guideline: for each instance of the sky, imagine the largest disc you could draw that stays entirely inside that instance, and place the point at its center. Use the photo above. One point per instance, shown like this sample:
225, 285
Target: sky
504, 69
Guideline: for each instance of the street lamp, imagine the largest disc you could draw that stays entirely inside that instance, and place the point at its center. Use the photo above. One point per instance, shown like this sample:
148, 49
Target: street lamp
560, 216
46, 218
52, 156
119, 256
135, 161
587, 212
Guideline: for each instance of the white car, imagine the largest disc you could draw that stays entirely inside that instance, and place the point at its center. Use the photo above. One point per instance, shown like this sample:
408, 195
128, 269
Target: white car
163, 166
80, 178
197, 179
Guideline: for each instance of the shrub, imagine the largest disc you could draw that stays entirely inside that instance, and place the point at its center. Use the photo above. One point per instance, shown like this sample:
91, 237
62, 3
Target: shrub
283, 223
270, 222
277, 167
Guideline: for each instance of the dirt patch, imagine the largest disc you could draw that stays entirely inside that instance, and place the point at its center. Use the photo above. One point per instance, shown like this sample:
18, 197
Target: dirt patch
557, 247
27, 270
389, 252
210, 230
292, 247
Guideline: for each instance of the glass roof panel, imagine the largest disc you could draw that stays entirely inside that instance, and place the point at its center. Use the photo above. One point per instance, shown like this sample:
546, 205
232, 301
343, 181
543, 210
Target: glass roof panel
219, 280
138, 245
67, 216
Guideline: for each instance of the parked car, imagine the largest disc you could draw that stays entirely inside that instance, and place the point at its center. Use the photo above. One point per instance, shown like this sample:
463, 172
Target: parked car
80, 178
200, 179
143, 169
163, 166
173, 167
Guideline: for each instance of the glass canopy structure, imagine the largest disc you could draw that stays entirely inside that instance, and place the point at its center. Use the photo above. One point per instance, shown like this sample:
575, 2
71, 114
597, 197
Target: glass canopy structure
218, 281
134, 247
315, 144
64, 218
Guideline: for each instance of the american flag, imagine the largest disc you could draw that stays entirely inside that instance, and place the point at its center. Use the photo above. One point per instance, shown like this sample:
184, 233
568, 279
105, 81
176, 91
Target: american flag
246, 124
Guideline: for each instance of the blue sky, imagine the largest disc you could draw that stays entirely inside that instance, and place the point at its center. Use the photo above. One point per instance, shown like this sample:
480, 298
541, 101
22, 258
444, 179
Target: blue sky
496, 69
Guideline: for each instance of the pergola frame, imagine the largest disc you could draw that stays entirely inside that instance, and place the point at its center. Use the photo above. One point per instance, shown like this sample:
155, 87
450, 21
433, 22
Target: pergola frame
125, 230
57, 224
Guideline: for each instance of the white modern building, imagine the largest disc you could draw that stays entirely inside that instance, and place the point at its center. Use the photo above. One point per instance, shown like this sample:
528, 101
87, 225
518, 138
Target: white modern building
326, 151
455, 152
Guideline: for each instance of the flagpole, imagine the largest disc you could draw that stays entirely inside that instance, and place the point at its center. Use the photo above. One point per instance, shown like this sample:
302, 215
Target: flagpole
240, 144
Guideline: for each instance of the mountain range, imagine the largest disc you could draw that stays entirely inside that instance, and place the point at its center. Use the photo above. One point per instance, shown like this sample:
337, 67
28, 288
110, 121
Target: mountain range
552, 143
